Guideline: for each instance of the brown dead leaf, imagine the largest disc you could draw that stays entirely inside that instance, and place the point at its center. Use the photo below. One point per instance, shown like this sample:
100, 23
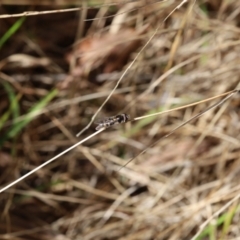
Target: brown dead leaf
104, 54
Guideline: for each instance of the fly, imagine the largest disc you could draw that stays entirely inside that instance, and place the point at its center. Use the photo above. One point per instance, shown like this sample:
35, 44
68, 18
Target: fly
110, 121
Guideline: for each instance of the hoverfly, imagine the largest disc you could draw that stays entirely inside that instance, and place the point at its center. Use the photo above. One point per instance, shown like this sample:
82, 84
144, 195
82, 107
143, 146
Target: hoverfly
110, 121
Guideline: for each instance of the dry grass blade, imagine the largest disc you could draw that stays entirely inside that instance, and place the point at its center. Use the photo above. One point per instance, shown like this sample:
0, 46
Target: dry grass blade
117, 84
217, 213
128, 68
36, 13
49, 161
229, 95
186, 174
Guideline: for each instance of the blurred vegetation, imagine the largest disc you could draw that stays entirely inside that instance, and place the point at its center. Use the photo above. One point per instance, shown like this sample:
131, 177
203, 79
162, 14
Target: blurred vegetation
56, 70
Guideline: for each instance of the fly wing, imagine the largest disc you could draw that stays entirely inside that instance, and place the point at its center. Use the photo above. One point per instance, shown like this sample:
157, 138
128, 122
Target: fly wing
100, 123
104, 120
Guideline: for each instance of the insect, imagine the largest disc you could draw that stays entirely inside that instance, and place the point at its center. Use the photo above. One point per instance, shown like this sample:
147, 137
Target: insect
110, 121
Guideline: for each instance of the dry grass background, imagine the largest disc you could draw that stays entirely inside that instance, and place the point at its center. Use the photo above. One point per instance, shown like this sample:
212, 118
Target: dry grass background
167, 192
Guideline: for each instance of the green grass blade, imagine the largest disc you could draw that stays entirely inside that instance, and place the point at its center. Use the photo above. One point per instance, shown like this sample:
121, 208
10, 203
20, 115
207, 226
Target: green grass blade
13, 99
4, 118
212, 231
11, 31
17, 127
14, 107
228, 220
208, 230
